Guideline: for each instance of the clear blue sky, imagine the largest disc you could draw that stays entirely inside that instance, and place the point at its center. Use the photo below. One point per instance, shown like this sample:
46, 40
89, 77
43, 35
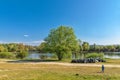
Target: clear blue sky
29, 21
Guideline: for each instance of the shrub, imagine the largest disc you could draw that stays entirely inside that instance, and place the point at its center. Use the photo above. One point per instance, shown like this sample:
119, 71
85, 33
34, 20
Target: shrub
43, 57
8, 55
54, 56
95, 55
22, 54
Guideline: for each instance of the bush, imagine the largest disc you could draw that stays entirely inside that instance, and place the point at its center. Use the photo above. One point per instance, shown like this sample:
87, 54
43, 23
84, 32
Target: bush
8, 55
54, 56
95, 55
22, 54
43, 57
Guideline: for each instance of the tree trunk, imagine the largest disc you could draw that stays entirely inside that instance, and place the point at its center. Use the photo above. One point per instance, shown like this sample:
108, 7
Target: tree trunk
60, 56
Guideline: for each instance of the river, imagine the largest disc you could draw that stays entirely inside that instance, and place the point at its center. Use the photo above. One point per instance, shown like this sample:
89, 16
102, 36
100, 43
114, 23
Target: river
112, 55
36, 55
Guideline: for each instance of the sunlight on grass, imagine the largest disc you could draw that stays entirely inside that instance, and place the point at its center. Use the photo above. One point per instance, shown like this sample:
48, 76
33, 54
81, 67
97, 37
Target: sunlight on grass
16, 71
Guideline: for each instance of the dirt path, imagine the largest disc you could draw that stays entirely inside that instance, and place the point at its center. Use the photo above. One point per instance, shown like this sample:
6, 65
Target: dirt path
64, 64
73, 64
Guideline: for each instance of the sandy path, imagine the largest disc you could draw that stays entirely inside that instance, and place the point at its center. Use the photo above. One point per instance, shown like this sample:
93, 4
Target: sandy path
73, 64
66, 64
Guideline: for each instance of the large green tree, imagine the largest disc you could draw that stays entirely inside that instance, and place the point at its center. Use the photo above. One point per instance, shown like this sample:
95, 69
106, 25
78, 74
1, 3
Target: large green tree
62, 41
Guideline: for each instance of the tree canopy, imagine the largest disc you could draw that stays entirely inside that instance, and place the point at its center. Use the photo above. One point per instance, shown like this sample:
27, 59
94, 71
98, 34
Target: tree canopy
62, 41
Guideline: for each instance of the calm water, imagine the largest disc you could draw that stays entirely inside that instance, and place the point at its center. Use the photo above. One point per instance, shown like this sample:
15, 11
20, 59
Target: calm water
35, 55
112, 55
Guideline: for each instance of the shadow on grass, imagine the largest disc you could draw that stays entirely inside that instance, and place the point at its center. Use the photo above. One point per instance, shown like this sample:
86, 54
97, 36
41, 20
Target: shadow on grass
29, 61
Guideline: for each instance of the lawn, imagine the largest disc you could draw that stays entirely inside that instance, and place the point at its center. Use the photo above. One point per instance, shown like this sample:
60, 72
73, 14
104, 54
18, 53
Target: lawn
28, 71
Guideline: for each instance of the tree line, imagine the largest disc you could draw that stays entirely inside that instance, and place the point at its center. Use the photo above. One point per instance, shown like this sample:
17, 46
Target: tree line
14, 50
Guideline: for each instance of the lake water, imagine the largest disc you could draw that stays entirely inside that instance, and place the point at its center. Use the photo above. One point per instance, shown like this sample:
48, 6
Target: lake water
36, 55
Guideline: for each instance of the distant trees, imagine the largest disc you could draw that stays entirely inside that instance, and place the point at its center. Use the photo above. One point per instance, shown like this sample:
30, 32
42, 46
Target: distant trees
42, 47
62, 41
2, 48
95, 48
104, 48
13, 49
85, 46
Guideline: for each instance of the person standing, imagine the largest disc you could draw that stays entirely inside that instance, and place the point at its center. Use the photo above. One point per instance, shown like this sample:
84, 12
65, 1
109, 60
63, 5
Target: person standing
103, 68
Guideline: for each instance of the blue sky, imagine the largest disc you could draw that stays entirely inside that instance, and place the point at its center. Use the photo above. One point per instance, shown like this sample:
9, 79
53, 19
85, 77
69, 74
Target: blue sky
29, 21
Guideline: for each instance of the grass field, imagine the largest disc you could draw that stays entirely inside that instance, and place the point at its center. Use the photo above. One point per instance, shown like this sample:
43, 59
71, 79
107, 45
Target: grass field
28, 71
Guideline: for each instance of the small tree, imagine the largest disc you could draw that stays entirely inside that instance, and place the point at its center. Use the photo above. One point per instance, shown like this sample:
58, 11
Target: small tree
61, 41
22, 54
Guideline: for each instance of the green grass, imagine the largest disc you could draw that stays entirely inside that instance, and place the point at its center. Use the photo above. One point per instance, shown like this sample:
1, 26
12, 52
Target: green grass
112, 61
28, 71
17, 71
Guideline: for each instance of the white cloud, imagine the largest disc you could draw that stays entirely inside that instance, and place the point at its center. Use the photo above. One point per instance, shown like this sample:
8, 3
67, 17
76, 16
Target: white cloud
105, 41
26, 35
33, 43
